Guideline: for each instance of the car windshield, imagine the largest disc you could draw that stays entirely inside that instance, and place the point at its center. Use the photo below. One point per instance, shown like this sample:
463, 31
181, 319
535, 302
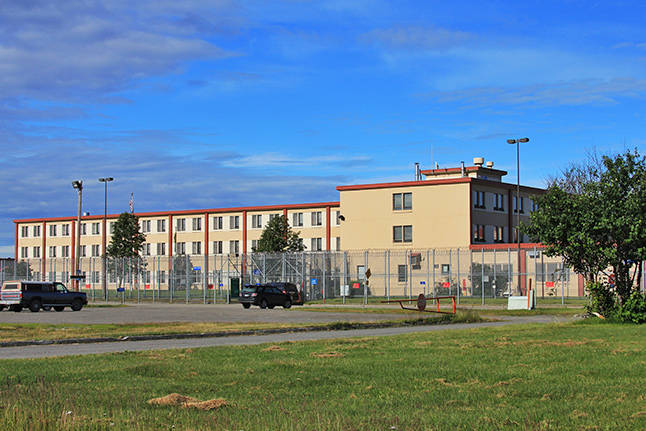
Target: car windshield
249, 289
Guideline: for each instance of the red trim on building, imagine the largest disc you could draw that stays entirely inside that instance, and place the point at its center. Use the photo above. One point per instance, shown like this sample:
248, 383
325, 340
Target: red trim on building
206, 247
170, 244
44, 255
510, 216
470, 229
581, 285
404, 184
189, 212
285, 213
328, 228
244, 232
16, 244
505, 246
73, 265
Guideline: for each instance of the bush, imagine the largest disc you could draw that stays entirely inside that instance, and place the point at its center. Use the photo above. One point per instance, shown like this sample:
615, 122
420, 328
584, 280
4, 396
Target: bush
634, 309
602, 299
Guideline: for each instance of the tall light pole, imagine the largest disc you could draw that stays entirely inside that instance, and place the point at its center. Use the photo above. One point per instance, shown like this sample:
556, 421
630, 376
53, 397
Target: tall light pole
517, 142
78, 185
105, 181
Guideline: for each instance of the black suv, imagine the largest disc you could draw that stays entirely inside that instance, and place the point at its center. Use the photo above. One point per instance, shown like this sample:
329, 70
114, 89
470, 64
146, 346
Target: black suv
270, 295
39, 294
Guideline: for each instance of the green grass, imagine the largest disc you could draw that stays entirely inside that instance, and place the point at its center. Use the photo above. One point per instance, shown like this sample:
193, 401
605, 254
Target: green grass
44, 331
533, 377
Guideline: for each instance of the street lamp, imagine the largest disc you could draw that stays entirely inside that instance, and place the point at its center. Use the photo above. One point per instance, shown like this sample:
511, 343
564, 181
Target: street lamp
517, 142
105, 181
78, 185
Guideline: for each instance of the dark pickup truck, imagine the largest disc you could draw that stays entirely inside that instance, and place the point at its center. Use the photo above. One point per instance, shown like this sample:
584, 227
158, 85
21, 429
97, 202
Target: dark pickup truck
39, 294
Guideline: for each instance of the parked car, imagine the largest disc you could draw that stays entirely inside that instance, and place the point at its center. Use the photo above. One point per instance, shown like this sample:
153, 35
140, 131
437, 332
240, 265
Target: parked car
269, 295
39, 294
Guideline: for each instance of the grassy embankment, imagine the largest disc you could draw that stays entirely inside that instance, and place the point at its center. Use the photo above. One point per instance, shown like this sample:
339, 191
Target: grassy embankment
571, 376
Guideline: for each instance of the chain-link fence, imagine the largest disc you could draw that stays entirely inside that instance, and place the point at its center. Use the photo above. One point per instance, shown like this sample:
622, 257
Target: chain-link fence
355, 276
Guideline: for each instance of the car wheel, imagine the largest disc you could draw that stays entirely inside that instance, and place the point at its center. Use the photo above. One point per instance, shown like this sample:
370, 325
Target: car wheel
47, 308
1, 307
77, 305
16, 308
263, 304
271, 306
34, 306
59, 308
287, 304
246, 305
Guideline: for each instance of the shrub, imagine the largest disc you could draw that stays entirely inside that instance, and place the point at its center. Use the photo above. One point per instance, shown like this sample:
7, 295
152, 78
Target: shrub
602, 299
634, 309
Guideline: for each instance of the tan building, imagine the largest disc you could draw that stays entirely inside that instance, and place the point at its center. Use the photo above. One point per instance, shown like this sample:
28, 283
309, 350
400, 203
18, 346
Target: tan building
466, 214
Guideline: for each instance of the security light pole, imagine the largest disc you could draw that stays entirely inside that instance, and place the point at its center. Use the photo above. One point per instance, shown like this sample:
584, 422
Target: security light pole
517, 142
78, 185
105, 181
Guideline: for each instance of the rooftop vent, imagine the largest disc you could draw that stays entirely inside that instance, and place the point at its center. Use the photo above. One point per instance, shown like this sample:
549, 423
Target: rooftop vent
490, 164
478, 161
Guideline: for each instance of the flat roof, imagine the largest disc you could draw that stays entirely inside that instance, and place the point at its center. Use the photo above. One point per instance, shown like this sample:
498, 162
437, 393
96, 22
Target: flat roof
437, 182
190, 212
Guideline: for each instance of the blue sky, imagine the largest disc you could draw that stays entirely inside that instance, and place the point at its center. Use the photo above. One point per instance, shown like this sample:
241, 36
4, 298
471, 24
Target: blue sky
203, 104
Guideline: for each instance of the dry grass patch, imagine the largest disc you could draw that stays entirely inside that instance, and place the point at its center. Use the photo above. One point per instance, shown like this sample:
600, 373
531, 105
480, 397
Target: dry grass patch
327, 355
184, 401
273, 349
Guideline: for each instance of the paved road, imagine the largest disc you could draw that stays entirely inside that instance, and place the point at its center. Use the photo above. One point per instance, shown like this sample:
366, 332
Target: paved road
123, 346
144, 313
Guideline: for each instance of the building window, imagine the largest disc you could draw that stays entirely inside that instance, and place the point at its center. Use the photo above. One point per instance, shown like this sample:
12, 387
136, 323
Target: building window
338, 243
273, 216
111, 227
196, 247
197, 224
52, 251
234, 222
24, 231
96, 227
254, 245
217, 223
402, 273
256, 221
161, 277
522, 204
217, 247
403, 233
181, 224
36, 231
317, 218
95, 277
234, 247
145, 249
24, 252
180, 248
36, 252
297, 219
52, 230
145, 226
147, 277
96, 251
336, 218
65, 251
499, 202
533, 206
498, 234
402, 201
317, 244
478, 199
161, 249
82, 251
478, 233
65, 230
83, 228
446, 268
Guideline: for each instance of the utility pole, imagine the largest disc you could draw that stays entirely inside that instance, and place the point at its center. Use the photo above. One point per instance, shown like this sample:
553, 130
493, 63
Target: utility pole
78, 185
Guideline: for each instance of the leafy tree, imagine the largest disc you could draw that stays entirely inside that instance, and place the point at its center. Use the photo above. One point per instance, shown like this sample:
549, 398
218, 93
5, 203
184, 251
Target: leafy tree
278, 236
595, 217
125, 245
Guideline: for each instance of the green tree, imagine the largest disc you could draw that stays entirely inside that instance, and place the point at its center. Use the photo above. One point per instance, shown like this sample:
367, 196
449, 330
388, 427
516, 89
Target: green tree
278, 236
594, 216
125, 245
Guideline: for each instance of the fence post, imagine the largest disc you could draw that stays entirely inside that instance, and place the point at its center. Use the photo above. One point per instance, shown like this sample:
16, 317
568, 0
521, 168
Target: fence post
428, 271
205, 276
563, 281
508, 272
365, 280
388, 274
385, 271
458, 275
482, 287
450, 269
535, 273
345, 274
495, 279
434, 285
409, 270
186, 285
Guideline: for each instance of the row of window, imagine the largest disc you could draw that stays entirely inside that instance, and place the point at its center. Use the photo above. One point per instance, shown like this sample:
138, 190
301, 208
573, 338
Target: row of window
480, 233
498, 202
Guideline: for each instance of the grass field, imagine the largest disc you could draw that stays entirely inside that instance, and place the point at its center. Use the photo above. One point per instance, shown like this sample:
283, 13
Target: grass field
43, 331
572, 376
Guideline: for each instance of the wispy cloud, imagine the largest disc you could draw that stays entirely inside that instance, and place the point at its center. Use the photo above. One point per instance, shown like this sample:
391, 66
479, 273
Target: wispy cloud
415, 37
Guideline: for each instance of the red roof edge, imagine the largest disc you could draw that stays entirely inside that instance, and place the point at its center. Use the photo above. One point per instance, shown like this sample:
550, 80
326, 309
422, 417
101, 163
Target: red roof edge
505, 246
404, 184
